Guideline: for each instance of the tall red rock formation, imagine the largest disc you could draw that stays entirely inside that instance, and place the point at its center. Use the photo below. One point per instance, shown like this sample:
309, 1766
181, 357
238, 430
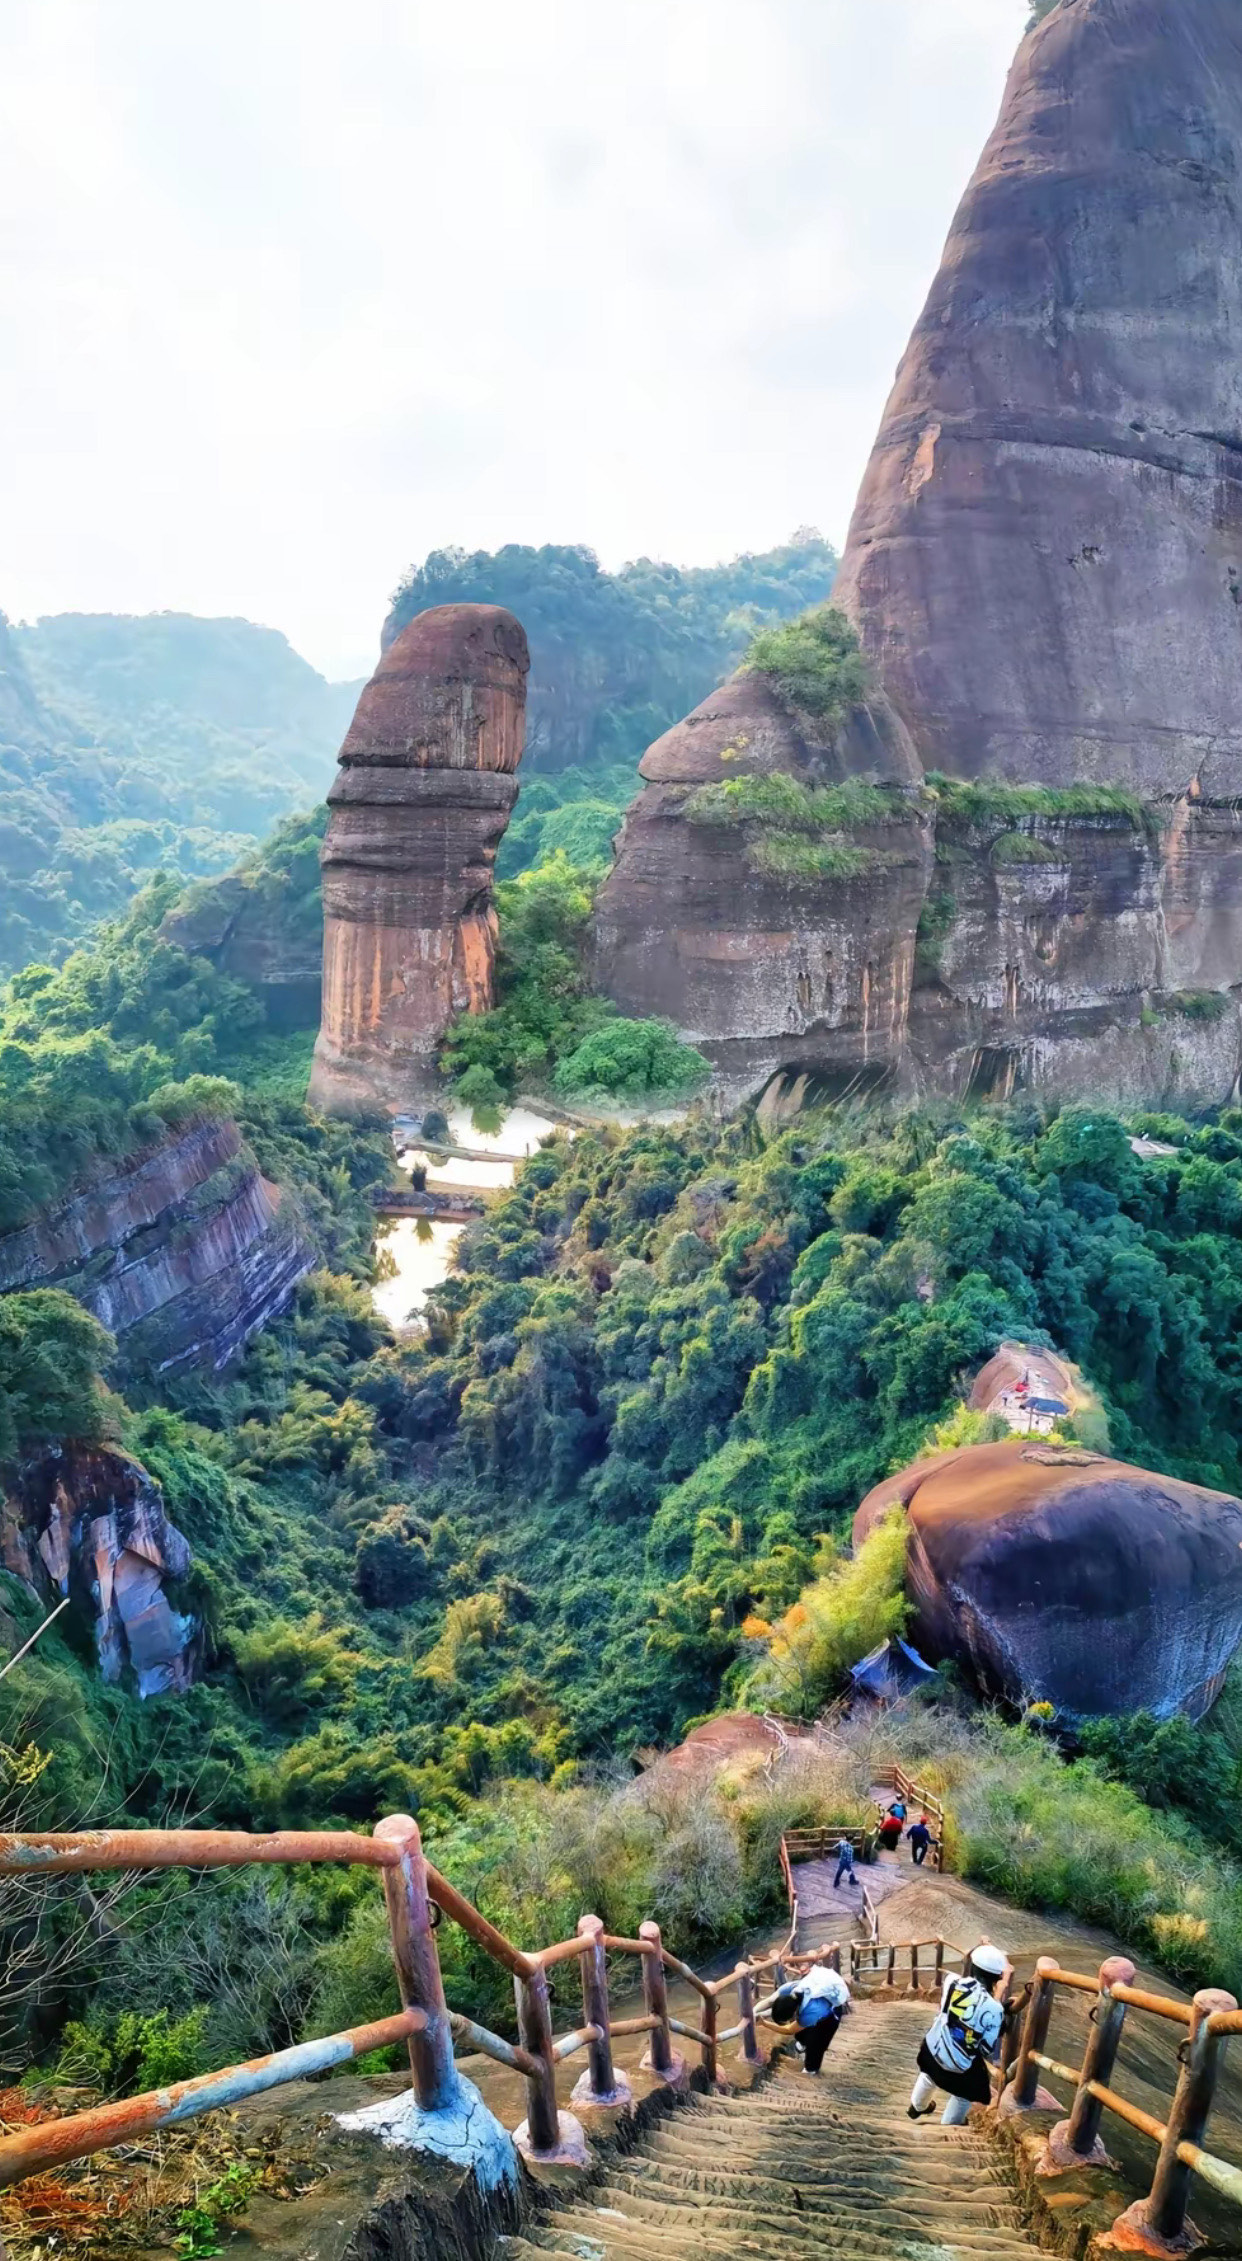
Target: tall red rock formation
426, 784
1045, 573
1045, 561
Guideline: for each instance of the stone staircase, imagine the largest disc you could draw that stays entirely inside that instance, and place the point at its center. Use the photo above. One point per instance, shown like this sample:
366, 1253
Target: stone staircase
830, 2167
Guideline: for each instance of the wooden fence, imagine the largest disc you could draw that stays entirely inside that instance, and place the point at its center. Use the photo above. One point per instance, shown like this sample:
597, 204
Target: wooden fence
412, 1887
429, 2028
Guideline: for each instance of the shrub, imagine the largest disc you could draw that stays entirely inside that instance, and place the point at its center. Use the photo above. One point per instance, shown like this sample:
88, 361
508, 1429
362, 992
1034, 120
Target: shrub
848, 1610
632, 1060
814, 663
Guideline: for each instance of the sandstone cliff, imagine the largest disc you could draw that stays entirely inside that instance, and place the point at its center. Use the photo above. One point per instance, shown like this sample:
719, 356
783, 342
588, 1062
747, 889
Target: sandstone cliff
1070, 1578
777, 932
1045, 560
181, 1250
1045, 574
426, 785
89, 1522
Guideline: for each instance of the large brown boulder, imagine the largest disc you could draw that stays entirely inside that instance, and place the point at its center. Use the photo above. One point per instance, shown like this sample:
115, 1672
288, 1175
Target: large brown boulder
426, 783
768, 970
1058, 1575
1045, 560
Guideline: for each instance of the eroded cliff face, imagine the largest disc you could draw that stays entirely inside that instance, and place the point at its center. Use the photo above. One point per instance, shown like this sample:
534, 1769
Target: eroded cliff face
426, 784
727, 928
1045, 561
88, 1522
181, 1251
1045, 574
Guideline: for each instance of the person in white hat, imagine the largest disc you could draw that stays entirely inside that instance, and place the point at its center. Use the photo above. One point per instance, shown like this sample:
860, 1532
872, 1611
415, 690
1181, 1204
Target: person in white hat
955, 2051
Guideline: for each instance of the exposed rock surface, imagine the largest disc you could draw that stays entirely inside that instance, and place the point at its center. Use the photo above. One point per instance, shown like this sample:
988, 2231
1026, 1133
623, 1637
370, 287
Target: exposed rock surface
1045, 572
250, 933
762, 970
1045, 560
89, 1522
1063, 1576
181, 1250
426, 785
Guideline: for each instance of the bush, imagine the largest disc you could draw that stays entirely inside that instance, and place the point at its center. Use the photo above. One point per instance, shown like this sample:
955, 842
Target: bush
814, 663
632, 1060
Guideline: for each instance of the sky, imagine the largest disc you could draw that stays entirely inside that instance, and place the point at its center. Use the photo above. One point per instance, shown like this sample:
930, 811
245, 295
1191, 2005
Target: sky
293, 291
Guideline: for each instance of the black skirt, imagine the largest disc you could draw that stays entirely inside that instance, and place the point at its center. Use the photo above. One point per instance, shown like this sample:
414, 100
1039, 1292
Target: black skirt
975, 2085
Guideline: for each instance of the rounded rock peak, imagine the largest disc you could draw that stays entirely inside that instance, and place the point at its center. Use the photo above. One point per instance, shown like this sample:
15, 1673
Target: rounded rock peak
482, 643
449, 693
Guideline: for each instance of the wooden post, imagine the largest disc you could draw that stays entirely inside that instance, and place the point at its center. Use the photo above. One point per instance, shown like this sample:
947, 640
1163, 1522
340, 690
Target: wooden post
1009, 2047
938, 1965
1034, 2034
600, 2085
833, 1958
891, 1975
660, 2056
1082, 2129
535, 2033
746, 2005
1164, 2212
707, 2049
418, 1965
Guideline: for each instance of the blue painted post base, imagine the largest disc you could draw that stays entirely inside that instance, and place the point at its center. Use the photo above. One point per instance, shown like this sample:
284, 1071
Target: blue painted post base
465, 2133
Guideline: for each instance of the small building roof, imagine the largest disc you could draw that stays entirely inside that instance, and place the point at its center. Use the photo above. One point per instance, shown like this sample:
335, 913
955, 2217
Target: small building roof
890, 1671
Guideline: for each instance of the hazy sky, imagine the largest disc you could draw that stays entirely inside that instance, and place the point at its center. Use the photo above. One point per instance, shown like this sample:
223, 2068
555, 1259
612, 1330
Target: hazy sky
292, 291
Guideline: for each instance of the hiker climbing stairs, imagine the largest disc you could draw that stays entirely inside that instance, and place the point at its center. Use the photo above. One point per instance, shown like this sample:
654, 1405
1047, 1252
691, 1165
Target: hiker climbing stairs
799, 2166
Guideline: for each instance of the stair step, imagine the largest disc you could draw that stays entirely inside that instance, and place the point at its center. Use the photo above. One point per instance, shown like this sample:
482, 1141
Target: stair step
798, 2169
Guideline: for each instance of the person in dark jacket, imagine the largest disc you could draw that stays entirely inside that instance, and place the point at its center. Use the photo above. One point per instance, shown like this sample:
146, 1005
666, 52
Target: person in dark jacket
920, 1837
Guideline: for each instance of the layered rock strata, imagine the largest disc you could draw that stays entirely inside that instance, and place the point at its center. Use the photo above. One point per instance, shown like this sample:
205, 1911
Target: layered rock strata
1058, 1575
88, 1522
426, 784
1045, 574
727, 927
182, 1251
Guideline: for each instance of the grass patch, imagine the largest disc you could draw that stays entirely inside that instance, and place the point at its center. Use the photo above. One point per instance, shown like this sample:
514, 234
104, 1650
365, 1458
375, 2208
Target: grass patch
1197, 1004
790, 806
1022, 848
814, 663
791, 855
933, 930
987, 801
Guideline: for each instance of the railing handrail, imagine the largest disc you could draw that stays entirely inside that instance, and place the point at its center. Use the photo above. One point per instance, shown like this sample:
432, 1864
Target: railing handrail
1211, 2017
410, 1883
428, 2026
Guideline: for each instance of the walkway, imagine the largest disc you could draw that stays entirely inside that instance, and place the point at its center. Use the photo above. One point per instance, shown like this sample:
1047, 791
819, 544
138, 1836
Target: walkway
799, 2167
825, 1914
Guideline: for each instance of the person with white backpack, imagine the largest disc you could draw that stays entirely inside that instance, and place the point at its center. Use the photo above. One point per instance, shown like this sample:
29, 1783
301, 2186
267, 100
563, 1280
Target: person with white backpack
956, 2050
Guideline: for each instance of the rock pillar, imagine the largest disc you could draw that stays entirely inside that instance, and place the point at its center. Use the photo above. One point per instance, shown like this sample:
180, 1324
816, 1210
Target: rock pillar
426, 783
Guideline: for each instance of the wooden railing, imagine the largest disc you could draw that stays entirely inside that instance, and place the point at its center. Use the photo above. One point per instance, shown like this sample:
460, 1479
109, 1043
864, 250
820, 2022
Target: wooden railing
426, 2024
412, 1887
1160, 2218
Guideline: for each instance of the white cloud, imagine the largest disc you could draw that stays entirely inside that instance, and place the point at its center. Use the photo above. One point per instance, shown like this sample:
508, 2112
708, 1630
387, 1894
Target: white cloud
292, 291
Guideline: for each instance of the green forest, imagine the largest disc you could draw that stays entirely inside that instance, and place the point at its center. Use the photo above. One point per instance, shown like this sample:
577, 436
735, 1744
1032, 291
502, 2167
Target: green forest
470, 1575
481, 1574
